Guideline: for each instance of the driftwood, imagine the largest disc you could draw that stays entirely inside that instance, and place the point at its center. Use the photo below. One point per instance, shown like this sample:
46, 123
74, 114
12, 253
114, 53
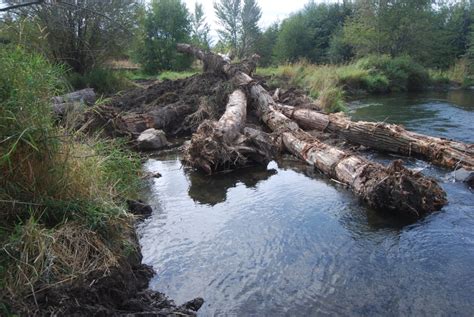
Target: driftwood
226, 144
394, 189
386, 137
116, 122
73, 101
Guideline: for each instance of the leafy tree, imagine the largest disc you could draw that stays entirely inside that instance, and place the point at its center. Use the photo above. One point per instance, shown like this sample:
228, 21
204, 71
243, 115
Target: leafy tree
266, 43
394, 27
239, 25
229, 18
251, 14
167, 22
308, 33
294, 39
199, 28
82, 34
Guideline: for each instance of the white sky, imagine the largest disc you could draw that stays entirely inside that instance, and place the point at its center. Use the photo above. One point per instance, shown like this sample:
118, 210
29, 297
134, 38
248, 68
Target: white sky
272, 11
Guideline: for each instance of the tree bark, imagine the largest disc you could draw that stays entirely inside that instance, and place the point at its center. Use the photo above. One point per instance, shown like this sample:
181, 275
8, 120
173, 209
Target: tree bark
71, 101
121, 123
386, 137
225, 144
394, 189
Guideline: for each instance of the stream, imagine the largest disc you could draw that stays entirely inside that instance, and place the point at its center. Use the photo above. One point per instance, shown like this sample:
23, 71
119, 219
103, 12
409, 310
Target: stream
285, 241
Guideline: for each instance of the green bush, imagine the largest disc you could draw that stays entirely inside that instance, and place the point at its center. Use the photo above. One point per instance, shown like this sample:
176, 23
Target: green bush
104, 81
62, 194
403, 73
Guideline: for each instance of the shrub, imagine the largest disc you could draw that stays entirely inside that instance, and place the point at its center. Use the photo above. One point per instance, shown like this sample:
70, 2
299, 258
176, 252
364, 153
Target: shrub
103, 80
402, 72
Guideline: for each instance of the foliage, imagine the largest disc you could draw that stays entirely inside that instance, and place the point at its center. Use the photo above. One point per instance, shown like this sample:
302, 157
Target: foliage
103, 80
200, 29
251, 14
239, 25
82, 35
266, 44
62, 195
403, 73
307, 34
229, 18
167, 23
329, 84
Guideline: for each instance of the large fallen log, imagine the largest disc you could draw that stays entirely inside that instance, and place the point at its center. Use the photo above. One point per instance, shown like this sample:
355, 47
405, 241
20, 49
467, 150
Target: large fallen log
73, 101
121, 123
225, 144
386, 137
394, 189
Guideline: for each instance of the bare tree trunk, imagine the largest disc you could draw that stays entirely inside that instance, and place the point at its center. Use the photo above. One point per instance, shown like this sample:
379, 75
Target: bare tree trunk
72, 101
394, 189
125, 123
224, 144
386, 137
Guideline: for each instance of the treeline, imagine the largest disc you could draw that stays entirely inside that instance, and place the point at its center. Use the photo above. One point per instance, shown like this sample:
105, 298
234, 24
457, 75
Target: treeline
433, 33
85, 35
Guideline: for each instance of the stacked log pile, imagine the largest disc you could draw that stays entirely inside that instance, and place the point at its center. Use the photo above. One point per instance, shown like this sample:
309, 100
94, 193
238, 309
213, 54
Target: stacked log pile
235, 122
395, 189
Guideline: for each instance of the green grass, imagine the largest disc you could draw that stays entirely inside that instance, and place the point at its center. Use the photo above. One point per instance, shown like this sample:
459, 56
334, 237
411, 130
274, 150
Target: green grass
63, 195
459, 74
167, 75
330, 84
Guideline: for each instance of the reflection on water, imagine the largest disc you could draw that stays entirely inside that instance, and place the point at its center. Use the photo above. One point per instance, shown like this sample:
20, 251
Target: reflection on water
218, 185
289, 242
445, 114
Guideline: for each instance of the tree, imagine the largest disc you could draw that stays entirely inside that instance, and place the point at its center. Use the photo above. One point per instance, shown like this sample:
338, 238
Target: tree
83, 34
308, 33
167, 22
199, 28
251, 14
394, 27
229, 18
239, 25
294, 40
266, 43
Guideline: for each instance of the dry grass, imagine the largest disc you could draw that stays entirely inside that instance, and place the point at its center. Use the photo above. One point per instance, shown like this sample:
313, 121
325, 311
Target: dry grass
62, 194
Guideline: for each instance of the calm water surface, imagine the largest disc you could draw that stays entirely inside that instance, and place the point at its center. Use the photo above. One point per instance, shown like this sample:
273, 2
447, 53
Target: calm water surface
284, 241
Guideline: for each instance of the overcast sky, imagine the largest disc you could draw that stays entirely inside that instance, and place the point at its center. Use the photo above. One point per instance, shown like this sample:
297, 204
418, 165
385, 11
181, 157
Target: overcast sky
272, 11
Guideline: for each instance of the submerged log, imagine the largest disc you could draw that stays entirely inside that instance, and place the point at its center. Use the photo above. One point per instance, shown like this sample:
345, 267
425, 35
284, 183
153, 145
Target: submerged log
386, 137
394, 189
225, 144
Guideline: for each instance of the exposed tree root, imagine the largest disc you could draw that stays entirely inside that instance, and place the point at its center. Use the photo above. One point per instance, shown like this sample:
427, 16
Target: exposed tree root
223, 145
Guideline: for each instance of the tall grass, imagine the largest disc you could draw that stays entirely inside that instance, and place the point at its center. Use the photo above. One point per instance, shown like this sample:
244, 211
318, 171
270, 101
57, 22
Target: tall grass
459, 74
329, 84
62, 194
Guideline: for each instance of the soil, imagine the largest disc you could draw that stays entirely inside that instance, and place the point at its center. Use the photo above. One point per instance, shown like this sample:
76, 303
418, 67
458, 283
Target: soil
123, 291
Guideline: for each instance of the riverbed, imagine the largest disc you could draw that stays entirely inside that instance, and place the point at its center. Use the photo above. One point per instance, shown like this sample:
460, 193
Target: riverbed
285, 241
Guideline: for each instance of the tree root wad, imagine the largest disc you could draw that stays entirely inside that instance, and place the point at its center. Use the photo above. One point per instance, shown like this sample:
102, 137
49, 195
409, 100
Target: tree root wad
226, 144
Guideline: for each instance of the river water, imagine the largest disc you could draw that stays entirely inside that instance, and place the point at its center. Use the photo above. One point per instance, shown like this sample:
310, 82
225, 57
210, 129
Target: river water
285, 241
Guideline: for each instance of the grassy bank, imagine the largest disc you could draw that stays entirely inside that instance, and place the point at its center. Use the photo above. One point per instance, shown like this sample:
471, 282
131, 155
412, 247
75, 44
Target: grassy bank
331, 84
62, 194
